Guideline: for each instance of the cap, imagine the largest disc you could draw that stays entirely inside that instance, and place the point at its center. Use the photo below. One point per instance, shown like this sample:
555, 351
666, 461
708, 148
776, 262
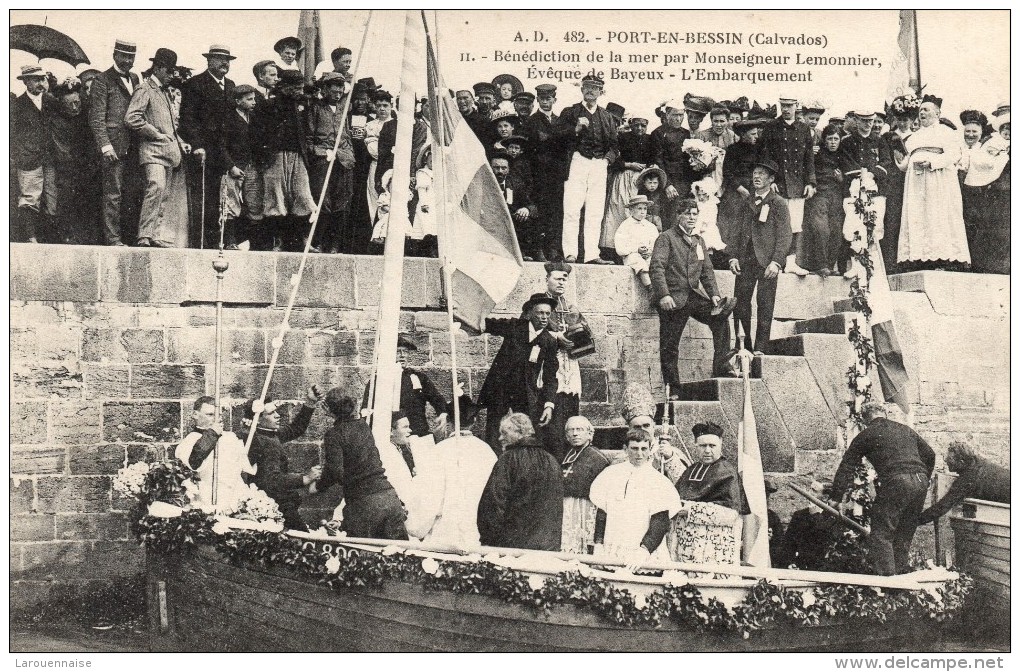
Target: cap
484, 87
527, 96
242, 90
593, 79
703, 428
546, 89
331, 78
638, 120
787, 100
640, 199
768, 164
404, 341
616, 110
562, 266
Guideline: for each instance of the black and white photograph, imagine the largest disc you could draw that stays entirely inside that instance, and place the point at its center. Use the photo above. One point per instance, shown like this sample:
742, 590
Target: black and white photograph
386, 331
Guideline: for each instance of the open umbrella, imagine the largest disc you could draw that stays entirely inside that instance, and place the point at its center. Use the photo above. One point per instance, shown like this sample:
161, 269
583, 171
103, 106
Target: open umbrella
44, 42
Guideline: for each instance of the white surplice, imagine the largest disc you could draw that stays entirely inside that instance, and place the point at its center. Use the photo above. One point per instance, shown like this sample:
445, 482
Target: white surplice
630, 496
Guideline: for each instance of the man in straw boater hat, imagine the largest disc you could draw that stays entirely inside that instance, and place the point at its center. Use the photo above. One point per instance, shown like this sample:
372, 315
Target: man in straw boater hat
522, 377
160, 152
758, 251
206, 101
790, 145
108, 102
593, 145
31, 156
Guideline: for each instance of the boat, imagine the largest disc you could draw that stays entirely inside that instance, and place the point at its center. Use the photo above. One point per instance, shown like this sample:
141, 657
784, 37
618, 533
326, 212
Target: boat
981, 531
201, 602
213, 587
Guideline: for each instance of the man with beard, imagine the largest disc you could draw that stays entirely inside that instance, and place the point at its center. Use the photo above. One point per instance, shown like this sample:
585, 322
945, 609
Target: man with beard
108, 102
548, 159
485, 97
278, 135
206, 100
517, 194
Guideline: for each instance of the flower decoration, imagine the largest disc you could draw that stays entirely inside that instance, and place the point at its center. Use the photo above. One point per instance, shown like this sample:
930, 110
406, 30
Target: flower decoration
162, 481
257, 506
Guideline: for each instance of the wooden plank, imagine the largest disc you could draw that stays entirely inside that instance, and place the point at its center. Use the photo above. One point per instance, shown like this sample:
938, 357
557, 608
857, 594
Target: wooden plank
997, 552
985, 540
980, 559
991, 578
980, 527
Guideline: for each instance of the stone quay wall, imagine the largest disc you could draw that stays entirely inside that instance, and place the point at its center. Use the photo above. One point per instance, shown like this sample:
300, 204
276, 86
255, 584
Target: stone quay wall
110, 347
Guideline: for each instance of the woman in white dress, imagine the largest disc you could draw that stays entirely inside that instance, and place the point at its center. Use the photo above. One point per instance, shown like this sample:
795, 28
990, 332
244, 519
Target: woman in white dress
932, 232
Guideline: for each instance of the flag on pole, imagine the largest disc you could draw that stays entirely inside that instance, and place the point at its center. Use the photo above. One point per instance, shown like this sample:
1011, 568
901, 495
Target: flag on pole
892, 373
755, 541
905, 73
310, 34
481, 246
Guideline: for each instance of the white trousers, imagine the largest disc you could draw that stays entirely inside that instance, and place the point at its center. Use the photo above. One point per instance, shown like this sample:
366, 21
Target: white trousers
796, 206
585, 187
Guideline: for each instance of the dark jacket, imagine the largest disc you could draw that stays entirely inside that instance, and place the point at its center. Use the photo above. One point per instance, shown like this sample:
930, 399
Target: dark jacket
108, 103
981, 480
268, 455
677, 270
479, 123
351, 460
513, 378
634, 149
522, 504
872, 153
667, 150
416, 390
791, 146
716, 483
522, 194
738, 164
769, 239
547, 146
30, 132
236, 145
599, 140
278, 126
808, 538
204, 110
579, 474
892, 448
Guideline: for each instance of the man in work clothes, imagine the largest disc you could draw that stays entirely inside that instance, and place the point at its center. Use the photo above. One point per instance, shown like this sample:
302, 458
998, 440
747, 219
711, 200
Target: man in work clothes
548, 159
904, 463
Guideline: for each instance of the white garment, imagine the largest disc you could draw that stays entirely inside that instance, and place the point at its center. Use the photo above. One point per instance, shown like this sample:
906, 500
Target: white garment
932, 225
233, 461
424, 223
630, 496
585, 187
466, 462
632, 235
986, 161
796, 206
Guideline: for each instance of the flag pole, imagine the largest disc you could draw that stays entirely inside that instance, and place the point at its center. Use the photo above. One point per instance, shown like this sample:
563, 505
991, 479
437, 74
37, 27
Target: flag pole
439, 191
399, 222
917, 50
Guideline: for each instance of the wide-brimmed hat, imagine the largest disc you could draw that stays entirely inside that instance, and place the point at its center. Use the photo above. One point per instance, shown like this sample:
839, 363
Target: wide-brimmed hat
366, 84
652, 170
815, 106
219, 51
700, 104
640, 199
329, 78
30, 71
505, 114
515, 84
290, 78
164, 56
745, 125
516, 139
285, 42
538, 299
423, 155
616, 110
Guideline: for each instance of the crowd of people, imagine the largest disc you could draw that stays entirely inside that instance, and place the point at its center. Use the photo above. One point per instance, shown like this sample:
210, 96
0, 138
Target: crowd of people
171, 160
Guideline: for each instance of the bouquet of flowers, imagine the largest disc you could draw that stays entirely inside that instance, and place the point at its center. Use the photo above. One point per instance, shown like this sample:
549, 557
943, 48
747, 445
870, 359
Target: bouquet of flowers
163, 481
257, 506
701, 152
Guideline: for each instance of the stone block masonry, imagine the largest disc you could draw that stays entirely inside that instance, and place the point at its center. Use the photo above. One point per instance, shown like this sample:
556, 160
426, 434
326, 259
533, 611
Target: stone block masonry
110, 347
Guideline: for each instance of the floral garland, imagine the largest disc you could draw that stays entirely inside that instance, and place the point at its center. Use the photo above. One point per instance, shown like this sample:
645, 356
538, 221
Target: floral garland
165, 481
862, 237
341, 568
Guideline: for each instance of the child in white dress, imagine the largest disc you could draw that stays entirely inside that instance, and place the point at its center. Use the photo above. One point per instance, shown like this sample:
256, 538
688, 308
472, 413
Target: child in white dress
635, 237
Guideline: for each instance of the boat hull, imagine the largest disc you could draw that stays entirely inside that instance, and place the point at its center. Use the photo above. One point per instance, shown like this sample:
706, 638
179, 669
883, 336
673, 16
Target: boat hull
201, 603
982, 534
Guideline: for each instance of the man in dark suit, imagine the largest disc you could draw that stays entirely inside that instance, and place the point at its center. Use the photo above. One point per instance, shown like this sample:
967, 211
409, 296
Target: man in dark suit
863, 149
904, 463
108, 103
548, 159
522, 377
790, 144
683, 284
32, 155
758, 253
416, 390
517, 194
206, 101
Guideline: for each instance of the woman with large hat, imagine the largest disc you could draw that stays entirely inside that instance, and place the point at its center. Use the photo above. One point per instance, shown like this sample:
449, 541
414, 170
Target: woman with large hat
507, 86
288, 49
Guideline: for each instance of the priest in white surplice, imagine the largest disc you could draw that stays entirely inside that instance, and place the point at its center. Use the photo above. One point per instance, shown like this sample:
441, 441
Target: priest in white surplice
639, 503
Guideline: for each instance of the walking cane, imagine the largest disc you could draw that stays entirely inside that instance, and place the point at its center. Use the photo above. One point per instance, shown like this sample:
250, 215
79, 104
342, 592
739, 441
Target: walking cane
201, 239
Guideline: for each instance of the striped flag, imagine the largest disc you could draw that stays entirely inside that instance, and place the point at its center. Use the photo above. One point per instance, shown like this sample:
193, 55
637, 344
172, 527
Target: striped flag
905, 73
310, 34
480, 245
755, 541
892, 373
